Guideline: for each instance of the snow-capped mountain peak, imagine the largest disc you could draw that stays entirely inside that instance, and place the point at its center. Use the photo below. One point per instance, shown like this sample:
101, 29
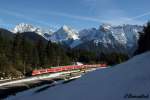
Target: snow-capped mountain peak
64, 33
106, 26
22, 27
65, 28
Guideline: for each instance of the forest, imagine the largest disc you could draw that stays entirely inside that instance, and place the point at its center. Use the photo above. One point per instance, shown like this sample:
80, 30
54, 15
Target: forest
23, 52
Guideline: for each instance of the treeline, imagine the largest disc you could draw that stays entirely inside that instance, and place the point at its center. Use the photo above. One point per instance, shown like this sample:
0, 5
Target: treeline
90, 57
20, 54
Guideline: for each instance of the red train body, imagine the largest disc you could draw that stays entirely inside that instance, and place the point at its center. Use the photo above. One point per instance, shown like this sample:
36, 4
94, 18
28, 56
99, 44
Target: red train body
64, 68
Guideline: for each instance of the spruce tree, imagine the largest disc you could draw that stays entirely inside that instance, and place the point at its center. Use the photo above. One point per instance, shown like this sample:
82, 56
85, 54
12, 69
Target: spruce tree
144, 40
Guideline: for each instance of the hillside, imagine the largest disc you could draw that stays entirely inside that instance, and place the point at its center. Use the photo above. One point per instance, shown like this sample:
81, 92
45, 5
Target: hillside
118, 83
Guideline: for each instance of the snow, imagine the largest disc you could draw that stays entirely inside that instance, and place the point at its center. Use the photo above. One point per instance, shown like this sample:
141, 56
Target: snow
22, 27
22, 81
131, 77
106, 26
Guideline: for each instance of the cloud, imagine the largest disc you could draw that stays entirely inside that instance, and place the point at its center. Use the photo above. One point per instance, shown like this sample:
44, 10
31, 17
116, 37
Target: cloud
85, 18
99, 6
110, 12
139, 16
113, 16
135, 19
22, 16
106, 10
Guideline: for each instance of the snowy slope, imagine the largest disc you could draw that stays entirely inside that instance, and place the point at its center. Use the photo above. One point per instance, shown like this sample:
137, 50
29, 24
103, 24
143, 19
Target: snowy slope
131, 77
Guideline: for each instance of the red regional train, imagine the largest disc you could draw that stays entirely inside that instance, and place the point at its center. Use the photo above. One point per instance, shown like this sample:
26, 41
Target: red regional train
65, 68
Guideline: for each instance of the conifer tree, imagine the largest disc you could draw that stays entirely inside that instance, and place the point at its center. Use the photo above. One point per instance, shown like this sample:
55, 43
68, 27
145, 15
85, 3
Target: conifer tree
144, 40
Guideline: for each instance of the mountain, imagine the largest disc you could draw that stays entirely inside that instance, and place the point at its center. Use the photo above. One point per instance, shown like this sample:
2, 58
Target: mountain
6, 34
108, 38
22, 27
66, 36
33, 37
63, 34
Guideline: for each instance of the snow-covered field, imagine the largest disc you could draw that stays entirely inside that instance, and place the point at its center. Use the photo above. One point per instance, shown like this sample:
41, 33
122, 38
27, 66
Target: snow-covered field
131, 77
